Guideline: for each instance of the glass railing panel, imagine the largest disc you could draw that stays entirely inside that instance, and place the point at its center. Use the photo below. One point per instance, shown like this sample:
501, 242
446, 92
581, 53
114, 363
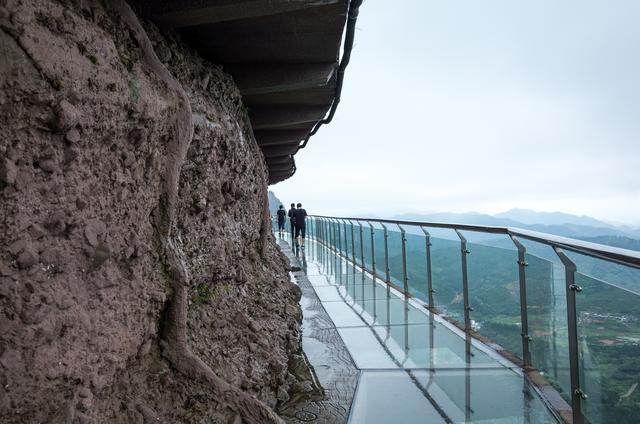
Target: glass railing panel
618, 275
608, 319
366, 237
342, 245
378, 236
320, 240
347, 247
358, 240
355, 276
335, 257
371, 290
417, 263
351, 247
547, 314
395, 256
494, 290
447, 276
339, 243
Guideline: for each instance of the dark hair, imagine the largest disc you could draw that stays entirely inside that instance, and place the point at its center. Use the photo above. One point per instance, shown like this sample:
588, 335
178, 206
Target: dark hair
293, 205
281, 207
298, 205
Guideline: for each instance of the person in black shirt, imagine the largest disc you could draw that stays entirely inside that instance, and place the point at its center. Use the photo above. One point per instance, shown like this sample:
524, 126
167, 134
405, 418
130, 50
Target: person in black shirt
282, 214
292, 220
300, 223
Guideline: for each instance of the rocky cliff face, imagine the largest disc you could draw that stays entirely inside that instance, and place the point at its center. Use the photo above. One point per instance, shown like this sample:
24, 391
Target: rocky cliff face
138, 278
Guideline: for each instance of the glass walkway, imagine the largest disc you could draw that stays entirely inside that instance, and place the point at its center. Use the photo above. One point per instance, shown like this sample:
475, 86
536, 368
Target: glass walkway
414, 366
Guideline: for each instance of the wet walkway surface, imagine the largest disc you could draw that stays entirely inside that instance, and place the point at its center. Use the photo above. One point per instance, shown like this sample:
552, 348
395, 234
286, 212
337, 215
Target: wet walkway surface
334, 369
410, 365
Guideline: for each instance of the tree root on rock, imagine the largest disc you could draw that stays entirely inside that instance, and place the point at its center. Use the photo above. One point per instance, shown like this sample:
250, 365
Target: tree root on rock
174, 337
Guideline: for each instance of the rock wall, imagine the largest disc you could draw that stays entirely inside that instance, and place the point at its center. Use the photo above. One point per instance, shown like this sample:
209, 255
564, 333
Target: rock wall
88, 293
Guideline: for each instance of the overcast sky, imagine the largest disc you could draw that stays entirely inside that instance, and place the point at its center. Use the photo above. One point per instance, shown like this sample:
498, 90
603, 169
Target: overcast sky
459, 105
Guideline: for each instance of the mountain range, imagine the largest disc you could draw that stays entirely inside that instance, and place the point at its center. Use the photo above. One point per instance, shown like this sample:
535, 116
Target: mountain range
558, 223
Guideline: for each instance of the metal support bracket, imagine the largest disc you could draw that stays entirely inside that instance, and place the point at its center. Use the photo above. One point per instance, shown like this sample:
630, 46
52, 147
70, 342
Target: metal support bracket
572, 327
405, 277
524, 312
465, 281
427, 245
387, 275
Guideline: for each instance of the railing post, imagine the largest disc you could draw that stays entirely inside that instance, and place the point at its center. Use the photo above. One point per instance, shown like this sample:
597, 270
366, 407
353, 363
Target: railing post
577, 395
373, 269
310, 235
344, 251
465, 283
353, 258
524, 317
336, 256
430, 291
339, 252
331, 258
405, 288
361, 247
387, 274
320, 240
314, 245
326, 245
346, 255
405, 277
334, 245
317, 239
323, 236
362, 258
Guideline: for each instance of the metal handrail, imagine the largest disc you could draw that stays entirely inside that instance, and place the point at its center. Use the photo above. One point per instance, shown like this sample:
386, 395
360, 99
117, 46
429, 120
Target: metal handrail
614, 254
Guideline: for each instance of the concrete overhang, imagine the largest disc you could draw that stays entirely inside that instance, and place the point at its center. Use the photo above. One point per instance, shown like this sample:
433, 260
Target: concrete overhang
282, 54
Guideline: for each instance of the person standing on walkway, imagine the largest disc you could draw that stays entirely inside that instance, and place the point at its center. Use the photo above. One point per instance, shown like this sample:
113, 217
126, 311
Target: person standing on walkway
292, 220
282, 215
300, 224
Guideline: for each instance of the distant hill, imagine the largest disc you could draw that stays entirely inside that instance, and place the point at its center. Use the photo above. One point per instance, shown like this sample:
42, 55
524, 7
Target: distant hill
460, 218
529, 217
616, 241
557, 223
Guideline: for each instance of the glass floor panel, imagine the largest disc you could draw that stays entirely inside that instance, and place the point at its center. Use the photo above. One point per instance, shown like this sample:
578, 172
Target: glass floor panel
342, 314
413, 346
344, 280
365, 291
347, 274
388, 311
320, 280
338, 293
442, 396
330, 293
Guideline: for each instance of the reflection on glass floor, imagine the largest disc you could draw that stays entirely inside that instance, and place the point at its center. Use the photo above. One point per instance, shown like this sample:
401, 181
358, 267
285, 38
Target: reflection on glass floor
447, 396
416, 367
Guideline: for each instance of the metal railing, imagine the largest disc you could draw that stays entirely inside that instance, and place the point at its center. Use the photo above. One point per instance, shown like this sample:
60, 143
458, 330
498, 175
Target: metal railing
332, 249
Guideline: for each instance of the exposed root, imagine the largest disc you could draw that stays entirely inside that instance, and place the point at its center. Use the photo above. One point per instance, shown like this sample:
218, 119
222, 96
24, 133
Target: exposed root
175, 343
